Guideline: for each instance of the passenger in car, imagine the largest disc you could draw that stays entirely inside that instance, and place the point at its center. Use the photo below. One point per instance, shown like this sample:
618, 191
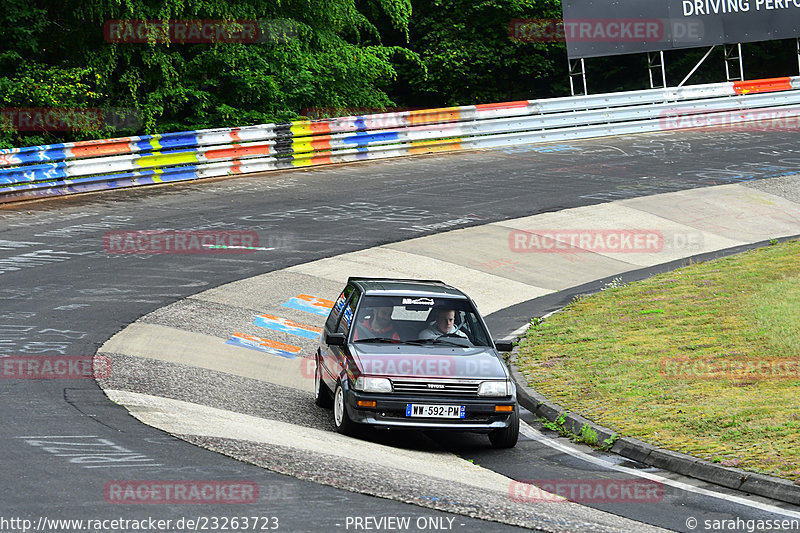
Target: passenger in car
379, 325
445, 323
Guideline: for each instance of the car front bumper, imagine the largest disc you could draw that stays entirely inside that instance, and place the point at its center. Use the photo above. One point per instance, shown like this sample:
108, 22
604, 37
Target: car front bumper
390, 412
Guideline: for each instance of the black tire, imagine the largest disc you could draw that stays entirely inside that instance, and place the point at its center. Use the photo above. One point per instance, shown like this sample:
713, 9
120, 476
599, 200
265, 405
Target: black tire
322, 396
506, 437
341, 420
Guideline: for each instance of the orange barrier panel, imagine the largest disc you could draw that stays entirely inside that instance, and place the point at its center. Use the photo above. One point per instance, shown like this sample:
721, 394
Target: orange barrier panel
763, 86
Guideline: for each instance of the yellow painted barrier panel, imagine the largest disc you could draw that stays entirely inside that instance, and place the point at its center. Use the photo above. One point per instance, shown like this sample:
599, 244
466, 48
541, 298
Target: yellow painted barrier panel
426, 147
157, 160
301, 129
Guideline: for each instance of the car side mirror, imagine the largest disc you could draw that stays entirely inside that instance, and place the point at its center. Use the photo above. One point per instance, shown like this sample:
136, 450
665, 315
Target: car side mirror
503, 345
335, 339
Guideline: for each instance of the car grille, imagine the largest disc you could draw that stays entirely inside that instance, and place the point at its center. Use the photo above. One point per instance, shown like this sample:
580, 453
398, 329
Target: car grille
436, 388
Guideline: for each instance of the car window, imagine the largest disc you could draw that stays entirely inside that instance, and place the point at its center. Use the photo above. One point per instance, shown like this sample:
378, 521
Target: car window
333, 316
411, 316
348, 313
475, 330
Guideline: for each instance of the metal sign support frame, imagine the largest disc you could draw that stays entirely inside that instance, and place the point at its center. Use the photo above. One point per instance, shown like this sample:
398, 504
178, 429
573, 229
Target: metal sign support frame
733, 53
797, 41
697, 66
655, 61
574, 73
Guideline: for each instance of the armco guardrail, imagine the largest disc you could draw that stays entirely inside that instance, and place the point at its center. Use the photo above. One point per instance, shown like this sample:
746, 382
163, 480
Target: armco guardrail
40, 171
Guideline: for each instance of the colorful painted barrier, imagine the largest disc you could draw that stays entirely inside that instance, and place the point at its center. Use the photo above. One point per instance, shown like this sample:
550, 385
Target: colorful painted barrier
59, 169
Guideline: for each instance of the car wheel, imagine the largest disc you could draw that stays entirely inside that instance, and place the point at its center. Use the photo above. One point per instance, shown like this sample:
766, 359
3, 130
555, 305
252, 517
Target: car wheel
322, 396
506, 437
341, 420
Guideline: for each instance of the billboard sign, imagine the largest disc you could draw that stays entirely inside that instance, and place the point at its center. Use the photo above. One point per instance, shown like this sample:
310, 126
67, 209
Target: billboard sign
594, 29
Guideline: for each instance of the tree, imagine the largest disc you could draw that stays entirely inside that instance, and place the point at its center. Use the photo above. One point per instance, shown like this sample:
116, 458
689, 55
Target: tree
471, 57
314, 53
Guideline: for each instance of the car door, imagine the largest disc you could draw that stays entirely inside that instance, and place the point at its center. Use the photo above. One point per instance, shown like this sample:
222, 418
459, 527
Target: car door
338, 321
341, 354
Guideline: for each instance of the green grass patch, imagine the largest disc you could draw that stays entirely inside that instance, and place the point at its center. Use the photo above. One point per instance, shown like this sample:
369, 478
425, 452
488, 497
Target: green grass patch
703, 360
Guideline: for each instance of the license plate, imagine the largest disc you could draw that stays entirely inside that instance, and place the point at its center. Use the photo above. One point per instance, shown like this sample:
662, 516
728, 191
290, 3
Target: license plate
435, 411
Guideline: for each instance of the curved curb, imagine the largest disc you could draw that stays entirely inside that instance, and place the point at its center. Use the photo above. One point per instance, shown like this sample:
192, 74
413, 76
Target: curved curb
630, 448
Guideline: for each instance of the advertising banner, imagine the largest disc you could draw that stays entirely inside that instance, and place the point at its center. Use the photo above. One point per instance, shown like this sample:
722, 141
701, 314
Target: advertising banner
594, 29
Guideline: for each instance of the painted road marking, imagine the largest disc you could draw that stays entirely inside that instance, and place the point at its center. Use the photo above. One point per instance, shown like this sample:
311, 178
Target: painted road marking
90, 451
287, 326
302, 302
224, 247
530, 432
252, 342
311, 304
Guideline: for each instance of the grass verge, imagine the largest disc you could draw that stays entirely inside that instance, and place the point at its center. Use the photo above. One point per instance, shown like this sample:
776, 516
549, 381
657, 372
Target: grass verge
704, 360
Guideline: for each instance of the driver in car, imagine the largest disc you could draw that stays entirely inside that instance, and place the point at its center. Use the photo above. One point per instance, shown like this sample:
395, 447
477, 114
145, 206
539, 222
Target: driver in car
445, 323
379, 325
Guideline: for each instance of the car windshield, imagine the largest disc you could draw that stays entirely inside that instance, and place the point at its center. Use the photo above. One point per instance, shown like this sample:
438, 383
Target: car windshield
419, 321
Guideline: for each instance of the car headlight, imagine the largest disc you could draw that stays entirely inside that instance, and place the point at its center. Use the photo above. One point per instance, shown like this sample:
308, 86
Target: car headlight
373, 384
494, 388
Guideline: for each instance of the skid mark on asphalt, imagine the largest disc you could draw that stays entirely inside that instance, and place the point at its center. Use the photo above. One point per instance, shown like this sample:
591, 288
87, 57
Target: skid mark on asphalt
302, 302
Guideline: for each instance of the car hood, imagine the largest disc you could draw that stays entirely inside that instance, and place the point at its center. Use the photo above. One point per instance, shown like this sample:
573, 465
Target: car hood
402, 360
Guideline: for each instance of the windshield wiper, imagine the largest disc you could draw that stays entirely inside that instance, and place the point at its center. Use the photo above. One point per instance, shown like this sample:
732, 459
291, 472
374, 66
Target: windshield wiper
452, 343
380, 339
438, 340
418, 342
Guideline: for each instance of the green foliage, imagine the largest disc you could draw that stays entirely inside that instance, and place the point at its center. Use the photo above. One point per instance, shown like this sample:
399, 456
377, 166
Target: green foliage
588, 435
470, 58
609, 442
552, 426
331, 55
557, 424
39, 86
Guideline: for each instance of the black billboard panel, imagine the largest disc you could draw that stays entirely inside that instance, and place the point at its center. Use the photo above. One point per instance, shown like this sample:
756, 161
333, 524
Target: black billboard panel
594, 28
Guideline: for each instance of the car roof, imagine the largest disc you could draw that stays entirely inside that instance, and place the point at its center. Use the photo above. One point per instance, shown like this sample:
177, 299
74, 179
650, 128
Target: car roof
405, 287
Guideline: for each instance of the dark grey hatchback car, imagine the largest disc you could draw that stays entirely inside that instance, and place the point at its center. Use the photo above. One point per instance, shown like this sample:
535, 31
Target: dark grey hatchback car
414, 354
